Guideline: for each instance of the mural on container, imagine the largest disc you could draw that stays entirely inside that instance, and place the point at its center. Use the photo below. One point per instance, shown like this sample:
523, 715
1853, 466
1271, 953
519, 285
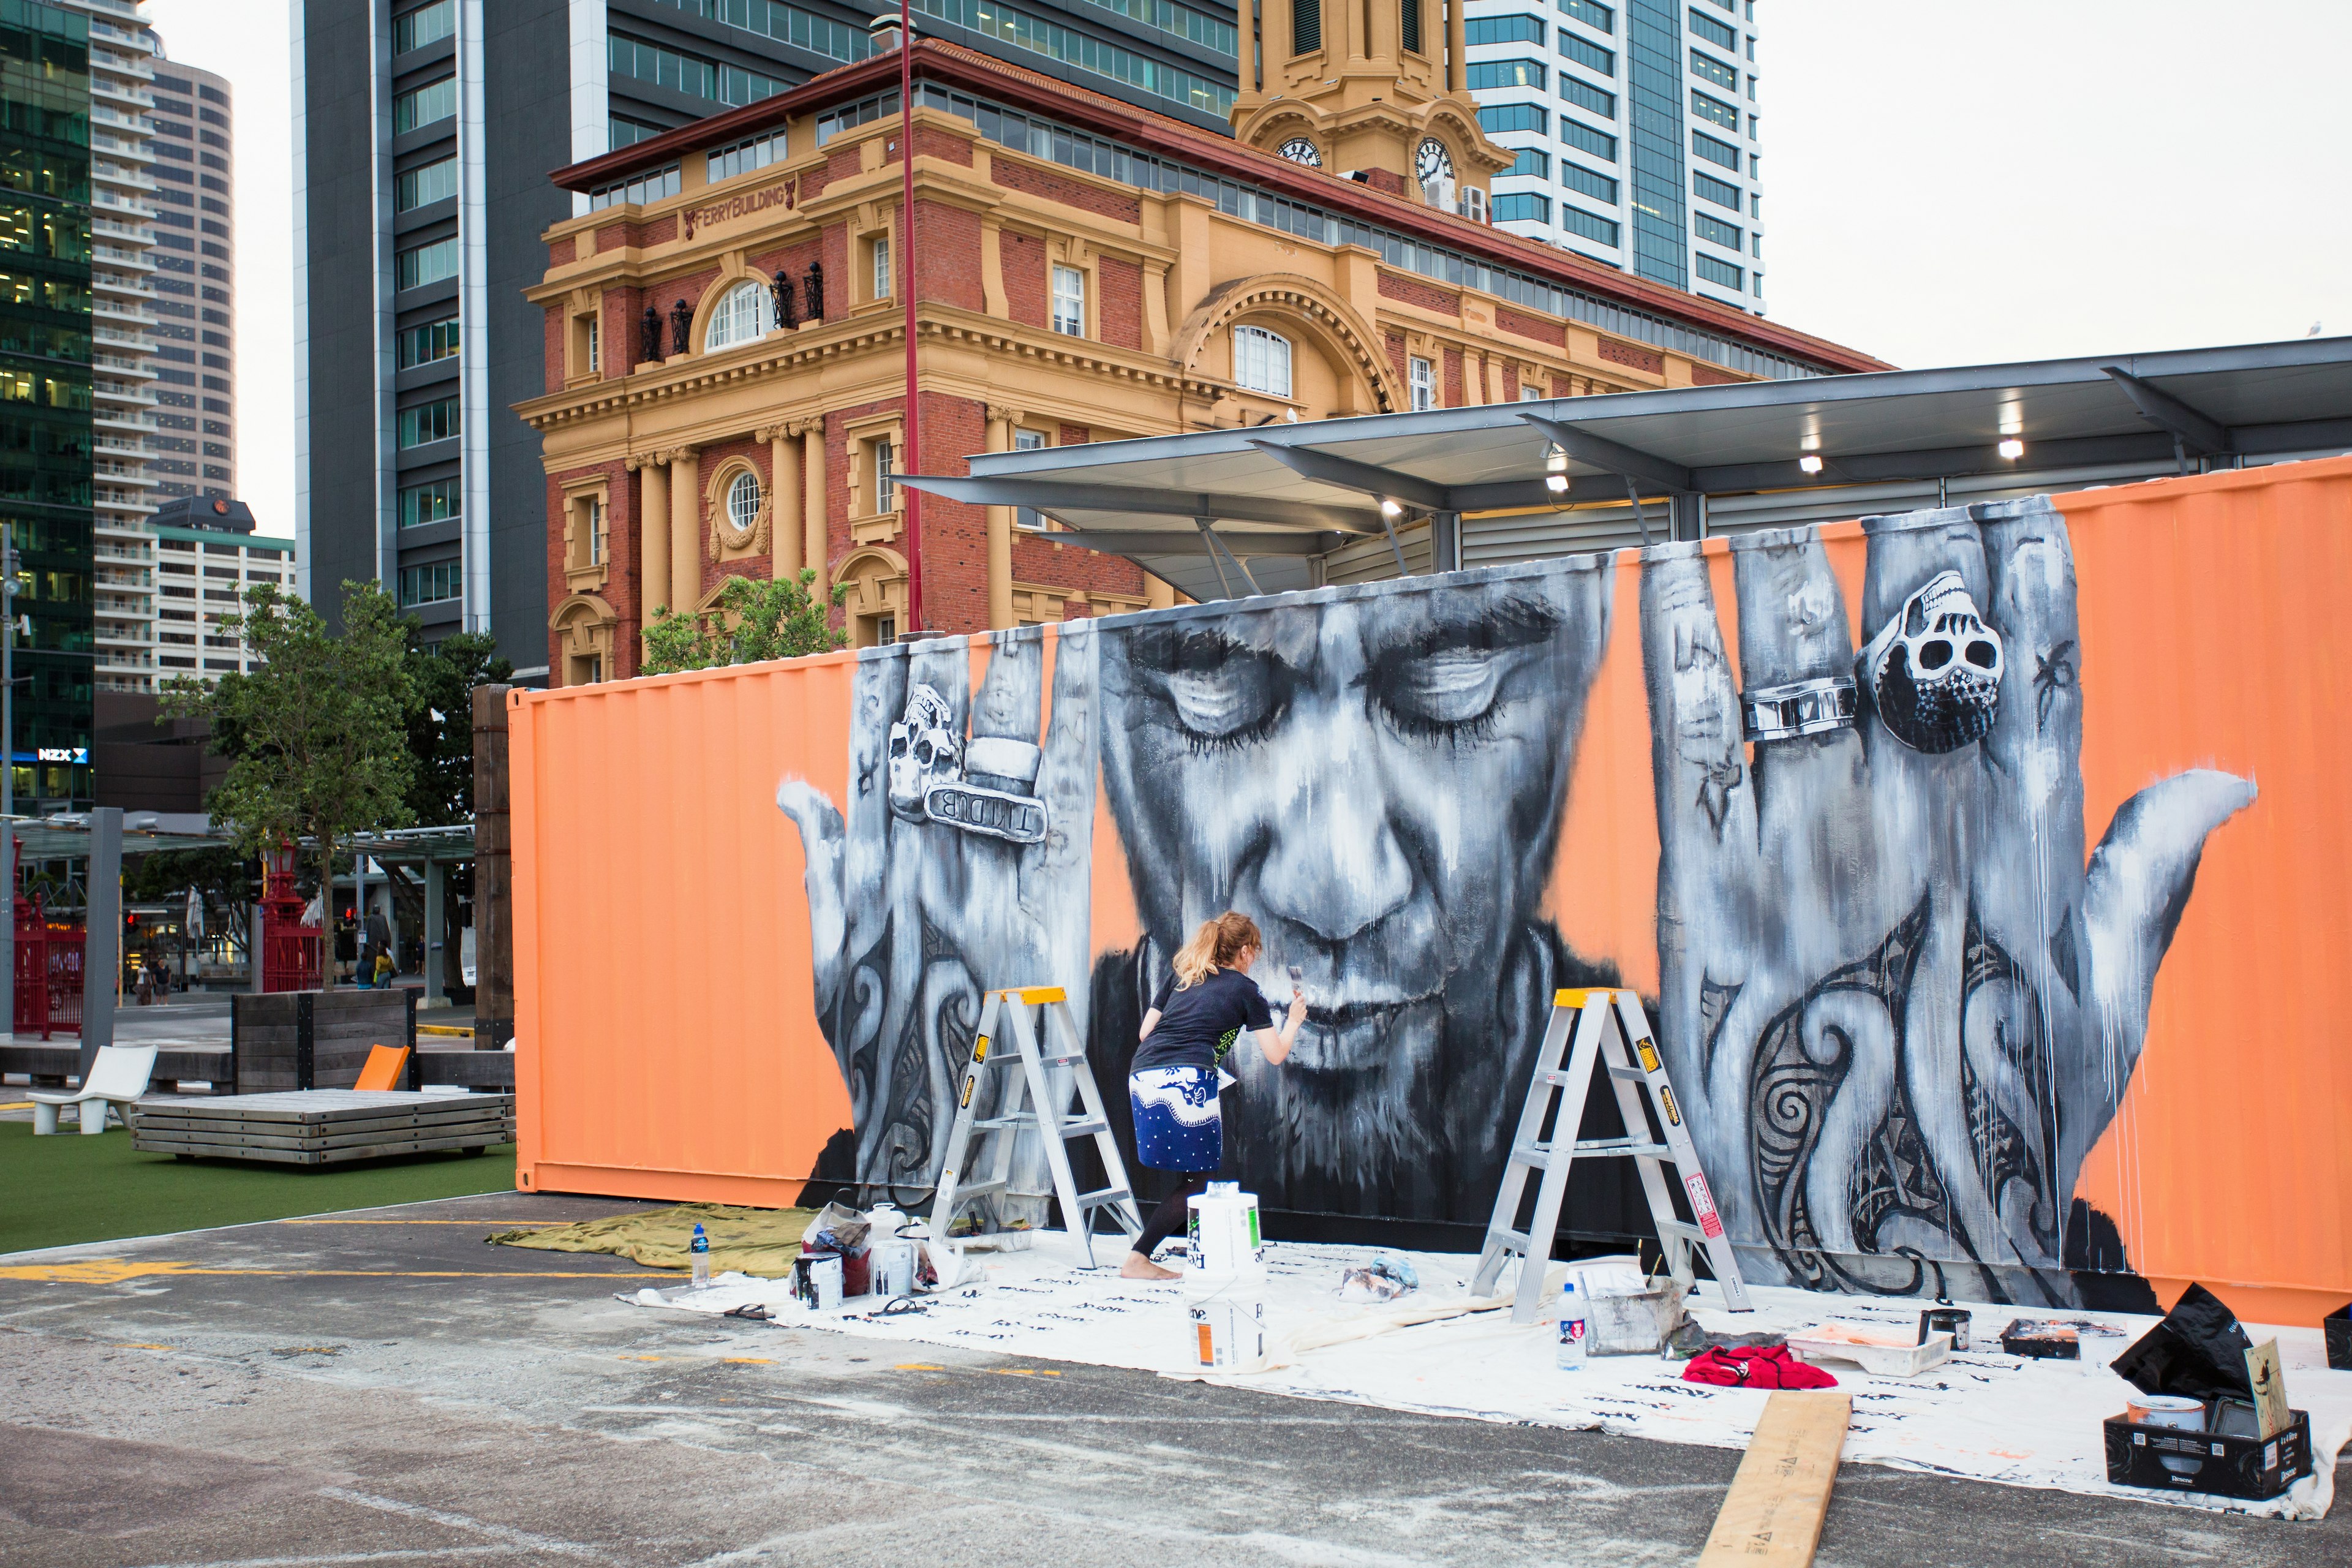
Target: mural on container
1901, 1001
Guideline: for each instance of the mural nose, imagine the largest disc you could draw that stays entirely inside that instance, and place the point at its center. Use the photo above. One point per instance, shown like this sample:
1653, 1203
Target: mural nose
1338, 871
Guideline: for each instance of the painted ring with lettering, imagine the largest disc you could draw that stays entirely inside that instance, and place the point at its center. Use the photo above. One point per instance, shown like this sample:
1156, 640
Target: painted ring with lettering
1800, 708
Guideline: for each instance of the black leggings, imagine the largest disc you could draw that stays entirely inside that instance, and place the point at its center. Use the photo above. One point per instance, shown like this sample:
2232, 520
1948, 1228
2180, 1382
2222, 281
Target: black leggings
1173, 1213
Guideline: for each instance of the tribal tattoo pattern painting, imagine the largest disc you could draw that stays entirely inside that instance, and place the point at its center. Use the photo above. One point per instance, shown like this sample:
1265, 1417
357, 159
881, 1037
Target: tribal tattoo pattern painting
1900, 999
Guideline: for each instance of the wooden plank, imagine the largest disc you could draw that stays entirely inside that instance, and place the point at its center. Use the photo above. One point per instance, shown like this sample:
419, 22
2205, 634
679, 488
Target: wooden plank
1774, 1513
316, 1156
291, 1133
486, 1108
228, 1141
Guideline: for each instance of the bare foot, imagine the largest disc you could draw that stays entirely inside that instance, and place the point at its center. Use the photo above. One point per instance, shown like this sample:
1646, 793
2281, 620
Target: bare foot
1139, 1267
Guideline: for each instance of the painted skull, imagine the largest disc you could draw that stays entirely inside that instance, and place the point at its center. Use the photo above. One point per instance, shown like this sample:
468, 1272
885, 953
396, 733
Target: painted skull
923, 751
1934, 670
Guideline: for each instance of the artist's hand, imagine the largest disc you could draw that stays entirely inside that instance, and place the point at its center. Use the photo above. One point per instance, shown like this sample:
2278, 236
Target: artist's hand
1900, 1004
911, 921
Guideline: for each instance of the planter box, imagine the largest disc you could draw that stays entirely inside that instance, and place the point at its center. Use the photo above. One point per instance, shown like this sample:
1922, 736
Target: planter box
315, 1039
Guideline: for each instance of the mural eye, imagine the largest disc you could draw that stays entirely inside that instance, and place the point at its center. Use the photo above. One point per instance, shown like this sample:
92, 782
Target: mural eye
1223, 694
1442, 694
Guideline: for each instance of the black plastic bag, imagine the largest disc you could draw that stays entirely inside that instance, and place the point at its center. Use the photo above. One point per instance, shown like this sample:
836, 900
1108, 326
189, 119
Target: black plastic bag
2198, 1352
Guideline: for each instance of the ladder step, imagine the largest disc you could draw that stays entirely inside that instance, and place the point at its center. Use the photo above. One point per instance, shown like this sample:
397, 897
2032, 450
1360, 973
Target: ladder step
1063, 1059
1512, 1240
1096, 1200
1641, 1149
1084, 1129
1677, 1227
981, 1190
998, 1124
1631, 1075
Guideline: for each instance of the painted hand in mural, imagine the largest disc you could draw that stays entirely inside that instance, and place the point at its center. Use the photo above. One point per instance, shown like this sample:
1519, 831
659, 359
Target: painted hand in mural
962, 866
1902, 1005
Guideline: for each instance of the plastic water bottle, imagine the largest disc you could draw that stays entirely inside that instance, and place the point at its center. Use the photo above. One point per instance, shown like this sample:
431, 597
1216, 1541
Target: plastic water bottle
699, 1248
1571, 1329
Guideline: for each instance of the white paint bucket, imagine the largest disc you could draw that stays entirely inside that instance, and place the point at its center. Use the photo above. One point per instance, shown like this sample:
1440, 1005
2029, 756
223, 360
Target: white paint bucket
1224, 1233
2174, 1410
1226, 1331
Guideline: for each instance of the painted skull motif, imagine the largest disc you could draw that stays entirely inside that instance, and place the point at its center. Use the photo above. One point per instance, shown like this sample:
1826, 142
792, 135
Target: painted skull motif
1935, 668
923, 751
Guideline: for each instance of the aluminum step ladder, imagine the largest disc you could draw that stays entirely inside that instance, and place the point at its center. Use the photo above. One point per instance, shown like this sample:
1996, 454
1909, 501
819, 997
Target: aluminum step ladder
1608, 1021
1043, 1081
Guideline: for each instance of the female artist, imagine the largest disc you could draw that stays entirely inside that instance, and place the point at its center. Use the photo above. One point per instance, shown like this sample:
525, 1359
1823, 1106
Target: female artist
1199, 1014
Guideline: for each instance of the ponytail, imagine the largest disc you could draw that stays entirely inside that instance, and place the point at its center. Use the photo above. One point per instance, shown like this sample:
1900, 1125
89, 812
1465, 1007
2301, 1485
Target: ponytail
1217, 945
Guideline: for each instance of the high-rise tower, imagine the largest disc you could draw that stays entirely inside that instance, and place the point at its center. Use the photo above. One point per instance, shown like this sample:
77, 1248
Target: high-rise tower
195, 285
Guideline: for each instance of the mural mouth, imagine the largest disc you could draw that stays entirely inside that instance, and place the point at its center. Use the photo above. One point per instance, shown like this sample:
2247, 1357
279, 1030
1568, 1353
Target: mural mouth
1354, 1035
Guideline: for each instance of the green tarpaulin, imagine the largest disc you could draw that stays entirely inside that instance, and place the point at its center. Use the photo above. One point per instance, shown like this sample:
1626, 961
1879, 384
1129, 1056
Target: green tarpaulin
750, 1241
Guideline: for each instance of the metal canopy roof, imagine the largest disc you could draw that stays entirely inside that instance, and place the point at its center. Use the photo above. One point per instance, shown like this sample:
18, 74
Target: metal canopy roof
1277, 499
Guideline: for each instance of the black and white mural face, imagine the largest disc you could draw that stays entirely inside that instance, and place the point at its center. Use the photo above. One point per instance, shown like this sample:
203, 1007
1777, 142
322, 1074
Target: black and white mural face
1376, 777
1902, 1004
1899, 999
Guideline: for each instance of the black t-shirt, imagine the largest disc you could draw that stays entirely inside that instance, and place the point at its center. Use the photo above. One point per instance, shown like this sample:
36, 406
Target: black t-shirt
1199, 1024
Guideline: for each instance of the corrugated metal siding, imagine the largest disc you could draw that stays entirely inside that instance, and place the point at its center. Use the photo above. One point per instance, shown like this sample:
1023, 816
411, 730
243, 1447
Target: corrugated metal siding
1371, 560
1542, 536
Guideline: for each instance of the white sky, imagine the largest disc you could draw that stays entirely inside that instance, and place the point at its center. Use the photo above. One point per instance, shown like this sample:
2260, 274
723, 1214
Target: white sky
1943, 183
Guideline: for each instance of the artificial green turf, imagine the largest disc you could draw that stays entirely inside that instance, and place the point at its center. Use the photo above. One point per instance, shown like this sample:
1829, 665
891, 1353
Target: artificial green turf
69, 1188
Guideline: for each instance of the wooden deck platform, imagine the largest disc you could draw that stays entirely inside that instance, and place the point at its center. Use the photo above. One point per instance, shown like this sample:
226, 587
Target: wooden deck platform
321, 1126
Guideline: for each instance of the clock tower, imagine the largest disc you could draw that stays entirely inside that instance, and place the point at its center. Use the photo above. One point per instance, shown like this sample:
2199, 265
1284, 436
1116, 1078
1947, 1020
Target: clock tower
1371, 89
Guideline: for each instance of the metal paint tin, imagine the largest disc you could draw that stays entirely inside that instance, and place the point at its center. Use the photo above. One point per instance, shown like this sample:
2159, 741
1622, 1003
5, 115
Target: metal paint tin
1952, 1320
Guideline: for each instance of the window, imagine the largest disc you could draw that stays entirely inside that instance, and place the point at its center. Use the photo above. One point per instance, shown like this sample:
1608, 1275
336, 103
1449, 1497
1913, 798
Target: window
1716, 270
1422, 376
1708, 67
1707, 188
427, 263
1306, 26
1715, 231
427, 344
648, 187
427, 105
1716, 151
1584, 95
425, 25
1591, 57
594, 334
1029, 518
1534, 164
1262, 360
1070, 301
1592, 15
1585, 182
421, 504
688, 74
1530, 392
741, 316
743, 501
428, 422
1714, 108
432, 584
1488, 75
745, 156
886, 494
1503, 30
423, 185
1590, 226
1522, 207
882, 268
621, 131
1408, 25
1584, 139
1513, 117
1713, 32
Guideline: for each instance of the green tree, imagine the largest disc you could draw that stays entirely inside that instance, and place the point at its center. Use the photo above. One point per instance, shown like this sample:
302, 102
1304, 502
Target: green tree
320, 729
754, 618
442, 678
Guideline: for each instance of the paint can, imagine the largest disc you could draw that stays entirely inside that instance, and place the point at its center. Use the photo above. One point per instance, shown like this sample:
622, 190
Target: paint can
2174, 1410
817, 1280
1224, 1233
1226, 1331
1952, 1320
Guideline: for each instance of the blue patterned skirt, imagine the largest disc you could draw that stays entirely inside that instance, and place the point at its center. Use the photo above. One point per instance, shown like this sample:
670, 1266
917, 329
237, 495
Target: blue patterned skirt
1177, 1127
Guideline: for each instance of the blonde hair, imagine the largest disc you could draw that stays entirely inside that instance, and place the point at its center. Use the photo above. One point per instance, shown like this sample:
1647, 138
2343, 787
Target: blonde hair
1217, 945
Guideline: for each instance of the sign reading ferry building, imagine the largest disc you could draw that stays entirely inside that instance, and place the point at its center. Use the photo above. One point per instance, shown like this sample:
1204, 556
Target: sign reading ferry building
726, 362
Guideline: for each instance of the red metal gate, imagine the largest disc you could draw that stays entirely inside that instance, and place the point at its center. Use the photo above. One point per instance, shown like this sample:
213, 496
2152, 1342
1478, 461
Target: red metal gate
289, 949
48, 972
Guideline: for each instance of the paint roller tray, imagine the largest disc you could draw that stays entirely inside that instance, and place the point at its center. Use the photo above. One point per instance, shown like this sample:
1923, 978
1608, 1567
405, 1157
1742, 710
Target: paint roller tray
1881, 1355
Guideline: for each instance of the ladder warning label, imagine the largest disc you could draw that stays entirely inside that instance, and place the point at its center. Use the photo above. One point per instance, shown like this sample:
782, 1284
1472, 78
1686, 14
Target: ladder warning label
1703, 1206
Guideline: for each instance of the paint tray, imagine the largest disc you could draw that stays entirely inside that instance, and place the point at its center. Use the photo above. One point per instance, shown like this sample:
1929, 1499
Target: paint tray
1880, 1354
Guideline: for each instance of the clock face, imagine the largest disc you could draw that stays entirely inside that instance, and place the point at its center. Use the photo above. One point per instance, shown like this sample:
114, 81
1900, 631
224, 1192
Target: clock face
1432, 162
1299, 150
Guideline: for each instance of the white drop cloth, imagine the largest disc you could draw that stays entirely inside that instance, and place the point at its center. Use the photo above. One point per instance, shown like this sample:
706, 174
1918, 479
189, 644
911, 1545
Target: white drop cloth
1982, 1415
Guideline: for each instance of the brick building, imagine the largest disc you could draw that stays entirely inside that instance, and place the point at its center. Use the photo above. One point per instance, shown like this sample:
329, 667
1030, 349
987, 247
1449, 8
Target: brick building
725, 355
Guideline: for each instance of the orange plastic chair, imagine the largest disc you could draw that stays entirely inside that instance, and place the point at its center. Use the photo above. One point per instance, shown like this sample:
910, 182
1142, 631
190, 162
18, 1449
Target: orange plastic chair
382, 1069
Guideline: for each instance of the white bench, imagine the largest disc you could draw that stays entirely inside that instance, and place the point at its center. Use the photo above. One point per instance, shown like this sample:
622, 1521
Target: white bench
117, 1079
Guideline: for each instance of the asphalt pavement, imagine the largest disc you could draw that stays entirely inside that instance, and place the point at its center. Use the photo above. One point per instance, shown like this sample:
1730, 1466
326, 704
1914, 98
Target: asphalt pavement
380, 1386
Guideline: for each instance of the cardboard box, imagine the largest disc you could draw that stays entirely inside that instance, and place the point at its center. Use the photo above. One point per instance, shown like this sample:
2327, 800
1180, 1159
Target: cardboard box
2214, 1462
2338, 1325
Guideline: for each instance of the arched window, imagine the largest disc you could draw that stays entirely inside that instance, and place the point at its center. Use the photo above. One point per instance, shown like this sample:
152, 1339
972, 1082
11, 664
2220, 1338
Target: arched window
1262, 360
742, 317
743, 501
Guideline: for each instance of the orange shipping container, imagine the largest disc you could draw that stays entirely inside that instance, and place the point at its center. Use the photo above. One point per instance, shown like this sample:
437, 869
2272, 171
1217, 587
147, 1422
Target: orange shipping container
1988, 868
